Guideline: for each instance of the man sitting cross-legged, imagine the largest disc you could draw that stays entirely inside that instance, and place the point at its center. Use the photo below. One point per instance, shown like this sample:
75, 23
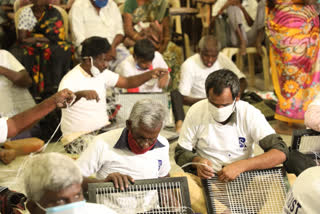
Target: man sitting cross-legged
134, 152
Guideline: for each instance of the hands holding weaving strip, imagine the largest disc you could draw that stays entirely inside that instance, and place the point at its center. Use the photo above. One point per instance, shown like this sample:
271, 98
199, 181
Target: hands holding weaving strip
227, 173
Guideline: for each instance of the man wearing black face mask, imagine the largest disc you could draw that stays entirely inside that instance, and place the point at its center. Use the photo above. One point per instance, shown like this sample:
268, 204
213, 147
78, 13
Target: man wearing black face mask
223, 130
134, 152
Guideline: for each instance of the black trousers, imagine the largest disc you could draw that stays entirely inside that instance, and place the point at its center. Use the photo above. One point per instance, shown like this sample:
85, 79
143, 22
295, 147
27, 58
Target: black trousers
177, 105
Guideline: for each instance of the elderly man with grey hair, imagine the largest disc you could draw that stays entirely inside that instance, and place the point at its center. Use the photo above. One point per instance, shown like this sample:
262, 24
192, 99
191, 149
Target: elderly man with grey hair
53, 183
194, 72
134, 152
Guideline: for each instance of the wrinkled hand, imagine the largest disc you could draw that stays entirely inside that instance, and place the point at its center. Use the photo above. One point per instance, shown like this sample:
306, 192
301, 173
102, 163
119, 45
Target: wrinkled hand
63, 97
159, 72
88, 94
204, 172
119, 180
231, 171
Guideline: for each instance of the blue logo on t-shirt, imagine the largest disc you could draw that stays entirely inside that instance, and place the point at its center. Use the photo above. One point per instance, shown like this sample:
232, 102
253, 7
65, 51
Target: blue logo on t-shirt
159, 164
242, 142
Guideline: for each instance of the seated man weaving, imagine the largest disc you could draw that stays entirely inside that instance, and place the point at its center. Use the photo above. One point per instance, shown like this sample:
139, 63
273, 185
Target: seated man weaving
219, 133
134, 152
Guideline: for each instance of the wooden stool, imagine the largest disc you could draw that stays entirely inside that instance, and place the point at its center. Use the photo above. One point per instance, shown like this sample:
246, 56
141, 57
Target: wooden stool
250, 51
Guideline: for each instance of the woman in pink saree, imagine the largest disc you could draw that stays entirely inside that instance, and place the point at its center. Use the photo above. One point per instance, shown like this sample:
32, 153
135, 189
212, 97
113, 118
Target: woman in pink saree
293, 31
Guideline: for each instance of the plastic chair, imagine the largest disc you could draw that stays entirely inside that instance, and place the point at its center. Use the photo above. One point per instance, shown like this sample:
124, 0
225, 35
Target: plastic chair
61, 10
230, 51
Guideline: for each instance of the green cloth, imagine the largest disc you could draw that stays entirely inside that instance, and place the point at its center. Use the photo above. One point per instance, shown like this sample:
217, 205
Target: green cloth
148, 12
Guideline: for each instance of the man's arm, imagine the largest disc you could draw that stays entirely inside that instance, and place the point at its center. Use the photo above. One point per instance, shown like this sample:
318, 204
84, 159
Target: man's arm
246, 15
137, 80
21, 79
116, 41
24, 120
276, 152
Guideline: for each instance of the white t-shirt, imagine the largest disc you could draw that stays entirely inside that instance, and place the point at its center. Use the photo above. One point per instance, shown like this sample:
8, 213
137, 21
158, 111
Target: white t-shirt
249, 5
223, 144
87, 22
3, 130
194, 74
110, 153
14, 99
128, 68
86, 115
97, 209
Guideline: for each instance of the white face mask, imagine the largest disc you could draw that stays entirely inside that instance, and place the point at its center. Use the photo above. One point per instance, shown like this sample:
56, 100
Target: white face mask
221, 114
94, 70
72, 208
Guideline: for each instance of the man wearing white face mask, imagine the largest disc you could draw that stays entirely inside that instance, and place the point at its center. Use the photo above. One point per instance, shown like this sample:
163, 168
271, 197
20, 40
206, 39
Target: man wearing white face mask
220, 132
89, 80
53, 185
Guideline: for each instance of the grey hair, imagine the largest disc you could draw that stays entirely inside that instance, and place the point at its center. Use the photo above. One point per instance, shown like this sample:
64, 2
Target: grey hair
50, 172
209, 39
149, 113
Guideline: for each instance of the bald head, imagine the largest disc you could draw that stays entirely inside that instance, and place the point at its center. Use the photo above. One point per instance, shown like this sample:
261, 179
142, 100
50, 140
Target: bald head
209, 50
208, 43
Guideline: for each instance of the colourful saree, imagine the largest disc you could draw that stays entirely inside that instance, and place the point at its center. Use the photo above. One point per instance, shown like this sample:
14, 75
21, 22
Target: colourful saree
47, 63
293, 31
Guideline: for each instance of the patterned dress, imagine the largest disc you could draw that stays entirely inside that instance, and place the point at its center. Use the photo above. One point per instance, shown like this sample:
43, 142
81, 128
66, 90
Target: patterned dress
293, 31
47, 63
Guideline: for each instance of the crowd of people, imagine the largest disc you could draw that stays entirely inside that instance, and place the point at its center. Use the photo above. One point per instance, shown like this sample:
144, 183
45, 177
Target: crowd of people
60, 75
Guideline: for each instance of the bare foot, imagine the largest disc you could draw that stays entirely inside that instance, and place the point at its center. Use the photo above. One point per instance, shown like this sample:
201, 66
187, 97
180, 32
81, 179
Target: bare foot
7, 155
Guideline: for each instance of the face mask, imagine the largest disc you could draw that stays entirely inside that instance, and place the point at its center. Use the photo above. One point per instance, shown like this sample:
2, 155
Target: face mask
141, 69
135, 148
94, 70
221, 114
75, 207
100, 3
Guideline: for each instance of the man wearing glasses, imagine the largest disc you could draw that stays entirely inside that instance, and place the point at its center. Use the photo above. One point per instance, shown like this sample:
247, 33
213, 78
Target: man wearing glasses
134, 152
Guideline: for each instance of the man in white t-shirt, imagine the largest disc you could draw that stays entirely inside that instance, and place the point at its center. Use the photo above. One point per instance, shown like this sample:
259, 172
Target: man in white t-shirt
99, 18
14, 84
312, 115
144, 59
53, 185
135, 152
194, 72
89, 81
220, 133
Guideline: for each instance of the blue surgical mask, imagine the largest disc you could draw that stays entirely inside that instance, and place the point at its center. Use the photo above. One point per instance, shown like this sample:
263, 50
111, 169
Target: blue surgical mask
72, 208
100, 3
